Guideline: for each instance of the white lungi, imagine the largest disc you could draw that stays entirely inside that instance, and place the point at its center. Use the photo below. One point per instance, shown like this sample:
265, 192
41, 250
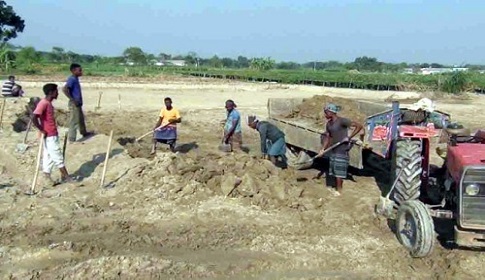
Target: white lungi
52, 154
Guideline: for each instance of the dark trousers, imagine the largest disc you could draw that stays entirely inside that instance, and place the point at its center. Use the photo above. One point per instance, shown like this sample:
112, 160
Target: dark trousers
76, 121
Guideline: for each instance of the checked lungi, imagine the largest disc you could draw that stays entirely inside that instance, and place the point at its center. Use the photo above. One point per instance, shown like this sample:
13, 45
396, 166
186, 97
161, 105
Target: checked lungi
339, 164
167, 135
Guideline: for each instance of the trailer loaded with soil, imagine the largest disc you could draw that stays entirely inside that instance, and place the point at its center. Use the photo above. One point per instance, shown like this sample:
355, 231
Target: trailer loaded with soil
400, 139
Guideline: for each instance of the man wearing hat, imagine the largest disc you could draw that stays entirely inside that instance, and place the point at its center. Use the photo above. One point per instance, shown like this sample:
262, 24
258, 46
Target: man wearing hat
273, 143
337, 130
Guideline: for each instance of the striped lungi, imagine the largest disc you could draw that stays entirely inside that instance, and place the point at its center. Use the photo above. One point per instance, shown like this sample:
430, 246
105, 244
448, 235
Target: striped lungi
338, 165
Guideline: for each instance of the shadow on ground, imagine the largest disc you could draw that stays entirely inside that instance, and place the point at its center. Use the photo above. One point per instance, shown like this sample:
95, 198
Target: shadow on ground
5, 186
87, 168
186, 147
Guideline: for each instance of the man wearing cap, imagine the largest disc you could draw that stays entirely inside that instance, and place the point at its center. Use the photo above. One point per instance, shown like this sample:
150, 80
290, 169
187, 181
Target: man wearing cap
273, 143
337, 130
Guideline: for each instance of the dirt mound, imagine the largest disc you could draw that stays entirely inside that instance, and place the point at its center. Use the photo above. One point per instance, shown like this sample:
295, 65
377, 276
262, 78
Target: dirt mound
312, 108
255, 181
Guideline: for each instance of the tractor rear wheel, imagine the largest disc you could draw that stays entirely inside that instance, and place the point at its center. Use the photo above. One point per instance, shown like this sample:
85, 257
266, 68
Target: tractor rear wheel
415, 228
408, 158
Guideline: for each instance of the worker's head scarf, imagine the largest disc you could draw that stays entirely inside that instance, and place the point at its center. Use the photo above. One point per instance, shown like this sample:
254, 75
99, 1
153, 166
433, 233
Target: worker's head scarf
252, 119
332, 108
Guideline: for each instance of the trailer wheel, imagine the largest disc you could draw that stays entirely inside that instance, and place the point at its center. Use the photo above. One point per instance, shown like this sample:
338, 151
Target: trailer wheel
408, 158
415, 228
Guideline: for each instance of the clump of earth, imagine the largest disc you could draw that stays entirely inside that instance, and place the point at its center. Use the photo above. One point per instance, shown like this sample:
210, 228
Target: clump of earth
312, 108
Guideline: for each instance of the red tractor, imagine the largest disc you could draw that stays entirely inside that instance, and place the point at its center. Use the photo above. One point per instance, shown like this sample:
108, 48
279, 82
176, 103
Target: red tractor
454, 191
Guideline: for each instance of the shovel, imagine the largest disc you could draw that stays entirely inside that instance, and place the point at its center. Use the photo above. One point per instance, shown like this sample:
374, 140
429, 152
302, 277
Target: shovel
385, 205
324, 152
223, 146
22, 147
151, 131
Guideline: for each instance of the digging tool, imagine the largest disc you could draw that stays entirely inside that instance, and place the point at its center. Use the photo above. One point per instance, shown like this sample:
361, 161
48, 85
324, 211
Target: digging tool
1, 112
223, 146
37, 166
64, 146
22, 147
105, 167
151, 131
98, 105
385, 205
324, 152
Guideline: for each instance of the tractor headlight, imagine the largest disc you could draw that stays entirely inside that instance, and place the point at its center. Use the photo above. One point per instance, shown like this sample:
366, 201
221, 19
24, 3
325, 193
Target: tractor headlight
472, 190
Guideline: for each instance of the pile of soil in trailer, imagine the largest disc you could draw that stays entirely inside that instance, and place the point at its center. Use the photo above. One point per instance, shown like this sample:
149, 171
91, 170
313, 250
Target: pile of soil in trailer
312, 108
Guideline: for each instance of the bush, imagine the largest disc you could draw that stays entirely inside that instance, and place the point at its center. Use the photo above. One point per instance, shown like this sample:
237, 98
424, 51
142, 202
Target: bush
456, 83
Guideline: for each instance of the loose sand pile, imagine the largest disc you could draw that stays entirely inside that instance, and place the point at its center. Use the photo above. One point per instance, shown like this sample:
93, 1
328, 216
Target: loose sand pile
312, 108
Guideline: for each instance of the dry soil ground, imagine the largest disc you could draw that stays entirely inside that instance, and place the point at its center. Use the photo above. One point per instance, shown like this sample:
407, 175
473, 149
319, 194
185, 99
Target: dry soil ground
175, 216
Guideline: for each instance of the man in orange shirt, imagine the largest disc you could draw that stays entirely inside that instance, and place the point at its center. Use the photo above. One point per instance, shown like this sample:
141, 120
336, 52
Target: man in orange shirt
166, 127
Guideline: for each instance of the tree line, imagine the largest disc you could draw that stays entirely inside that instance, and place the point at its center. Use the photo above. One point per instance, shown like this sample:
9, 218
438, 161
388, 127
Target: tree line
25, 58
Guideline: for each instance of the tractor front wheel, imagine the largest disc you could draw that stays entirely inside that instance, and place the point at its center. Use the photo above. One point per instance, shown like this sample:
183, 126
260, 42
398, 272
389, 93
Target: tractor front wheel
408, 158
415, 228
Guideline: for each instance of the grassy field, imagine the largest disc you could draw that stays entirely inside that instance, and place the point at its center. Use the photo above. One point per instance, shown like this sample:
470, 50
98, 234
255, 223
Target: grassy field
343, 79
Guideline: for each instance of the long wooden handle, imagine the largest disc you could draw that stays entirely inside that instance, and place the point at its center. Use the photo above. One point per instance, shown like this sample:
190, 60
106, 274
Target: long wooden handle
149, 132
327, 150
99, 99
4, 104
27, 132
64, 146
106, 159
144, 135
37, 166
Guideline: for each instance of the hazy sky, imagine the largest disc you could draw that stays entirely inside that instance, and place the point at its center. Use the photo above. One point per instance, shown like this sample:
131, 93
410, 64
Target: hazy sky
444, 31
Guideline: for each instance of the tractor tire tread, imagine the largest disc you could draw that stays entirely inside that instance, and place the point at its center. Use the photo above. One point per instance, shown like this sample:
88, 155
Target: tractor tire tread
408, 158
425, 232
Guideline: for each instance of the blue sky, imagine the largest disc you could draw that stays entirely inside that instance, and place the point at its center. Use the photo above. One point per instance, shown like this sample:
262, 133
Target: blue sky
444, 31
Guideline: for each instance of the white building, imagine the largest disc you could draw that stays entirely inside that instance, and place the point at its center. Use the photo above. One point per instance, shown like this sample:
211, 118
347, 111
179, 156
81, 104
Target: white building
179, 63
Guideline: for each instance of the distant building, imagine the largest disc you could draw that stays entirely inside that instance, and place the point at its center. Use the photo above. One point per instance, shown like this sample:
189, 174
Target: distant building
430, 70
408, 71
179, 63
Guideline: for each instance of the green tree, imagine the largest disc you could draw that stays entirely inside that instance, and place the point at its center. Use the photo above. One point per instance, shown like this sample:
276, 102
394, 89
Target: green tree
456, 83
215, 62
135, 55
164, 56
287, 65
10, 22
191, 58
27, 57
367, 64
57, 55
242, 62
262, 63
7, 57
227, 62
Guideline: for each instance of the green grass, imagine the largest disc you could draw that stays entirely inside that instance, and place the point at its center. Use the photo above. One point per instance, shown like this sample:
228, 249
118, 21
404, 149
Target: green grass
333, 78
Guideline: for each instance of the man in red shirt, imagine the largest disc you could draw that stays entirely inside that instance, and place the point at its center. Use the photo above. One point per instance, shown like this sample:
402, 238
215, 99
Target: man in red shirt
45, 121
